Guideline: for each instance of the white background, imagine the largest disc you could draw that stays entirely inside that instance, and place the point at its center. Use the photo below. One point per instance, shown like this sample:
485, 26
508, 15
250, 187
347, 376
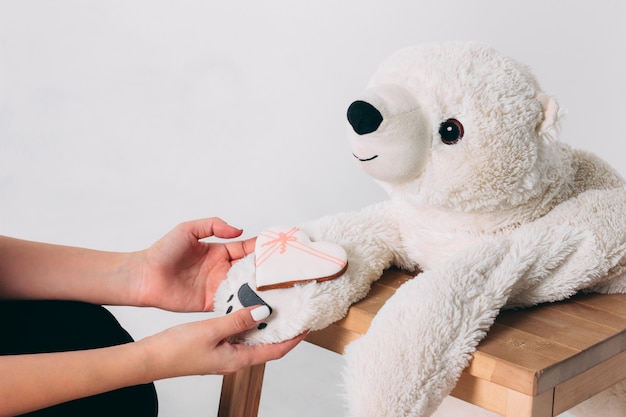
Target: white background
120, 119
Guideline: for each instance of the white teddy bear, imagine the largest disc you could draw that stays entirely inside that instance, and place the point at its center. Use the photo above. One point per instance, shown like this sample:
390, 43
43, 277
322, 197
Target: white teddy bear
484, 200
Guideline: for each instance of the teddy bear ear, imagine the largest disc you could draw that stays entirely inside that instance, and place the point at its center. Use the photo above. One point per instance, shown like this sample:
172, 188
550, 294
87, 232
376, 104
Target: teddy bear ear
551, 113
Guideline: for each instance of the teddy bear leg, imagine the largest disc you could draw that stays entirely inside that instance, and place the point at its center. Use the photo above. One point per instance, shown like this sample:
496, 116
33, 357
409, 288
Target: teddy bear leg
609, 403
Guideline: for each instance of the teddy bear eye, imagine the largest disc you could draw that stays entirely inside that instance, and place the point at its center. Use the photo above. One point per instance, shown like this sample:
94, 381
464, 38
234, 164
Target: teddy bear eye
451, 131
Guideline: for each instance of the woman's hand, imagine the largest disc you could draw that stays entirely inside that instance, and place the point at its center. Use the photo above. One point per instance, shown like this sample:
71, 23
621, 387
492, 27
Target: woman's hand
181, 273
201, 348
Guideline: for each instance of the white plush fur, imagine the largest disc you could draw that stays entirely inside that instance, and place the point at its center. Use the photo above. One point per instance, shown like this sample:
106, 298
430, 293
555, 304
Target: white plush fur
508, 216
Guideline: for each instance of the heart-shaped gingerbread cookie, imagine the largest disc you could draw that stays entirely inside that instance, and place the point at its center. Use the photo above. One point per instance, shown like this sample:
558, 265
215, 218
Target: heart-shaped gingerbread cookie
287, 256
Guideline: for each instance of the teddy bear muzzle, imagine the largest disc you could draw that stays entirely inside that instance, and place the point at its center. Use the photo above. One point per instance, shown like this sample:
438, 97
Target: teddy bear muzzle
390, 135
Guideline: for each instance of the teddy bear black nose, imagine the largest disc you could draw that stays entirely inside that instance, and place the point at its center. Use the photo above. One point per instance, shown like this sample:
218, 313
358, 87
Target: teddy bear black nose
364, 117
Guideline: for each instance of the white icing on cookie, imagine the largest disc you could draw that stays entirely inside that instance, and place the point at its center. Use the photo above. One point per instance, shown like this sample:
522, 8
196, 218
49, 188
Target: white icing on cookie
286, 256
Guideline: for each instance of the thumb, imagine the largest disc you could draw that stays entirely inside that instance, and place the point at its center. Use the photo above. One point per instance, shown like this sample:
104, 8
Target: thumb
212, 226
242, 320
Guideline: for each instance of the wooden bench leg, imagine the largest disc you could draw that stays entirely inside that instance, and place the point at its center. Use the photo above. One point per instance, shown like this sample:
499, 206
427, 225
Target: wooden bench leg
522, 405
241, 393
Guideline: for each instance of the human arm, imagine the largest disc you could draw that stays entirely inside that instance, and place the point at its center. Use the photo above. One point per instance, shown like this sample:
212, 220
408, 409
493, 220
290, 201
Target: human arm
33, 270
35, 381
179, 272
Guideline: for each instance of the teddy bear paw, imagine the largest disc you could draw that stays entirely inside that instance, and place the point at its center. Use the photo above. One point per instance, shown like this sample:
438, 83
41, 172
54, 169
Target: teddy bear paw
293, 310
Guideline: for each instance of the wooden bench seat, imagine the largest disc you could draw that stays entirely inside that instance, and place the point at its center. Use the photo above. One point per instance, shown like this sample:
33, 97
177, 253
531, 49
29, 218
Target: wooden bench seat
535, 362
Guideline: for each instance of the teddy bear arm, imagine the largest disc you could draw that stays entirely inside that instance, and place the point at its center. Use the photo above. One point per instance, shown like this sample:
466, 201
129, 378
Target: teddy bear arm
372, 238
422, 339
580, 245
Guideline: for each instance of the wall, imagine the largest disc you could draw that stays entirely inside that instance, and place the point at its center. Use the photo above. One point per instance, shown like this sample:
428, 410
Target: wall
120, 119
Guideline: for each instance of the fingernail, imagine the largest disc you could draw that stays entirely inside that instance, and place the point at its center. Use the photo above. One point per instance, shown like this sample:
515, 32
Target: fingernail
260, 313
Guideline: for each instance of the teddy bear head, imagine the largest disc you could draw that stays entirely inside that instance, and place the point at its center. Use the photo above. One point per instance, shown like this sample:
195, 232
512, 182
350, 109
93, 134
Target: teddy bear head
457, 125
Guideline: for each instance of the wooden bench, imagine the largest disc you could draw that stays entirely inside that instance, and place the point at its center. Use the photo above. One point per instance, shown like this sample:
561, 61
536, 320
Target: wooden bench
535, 362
